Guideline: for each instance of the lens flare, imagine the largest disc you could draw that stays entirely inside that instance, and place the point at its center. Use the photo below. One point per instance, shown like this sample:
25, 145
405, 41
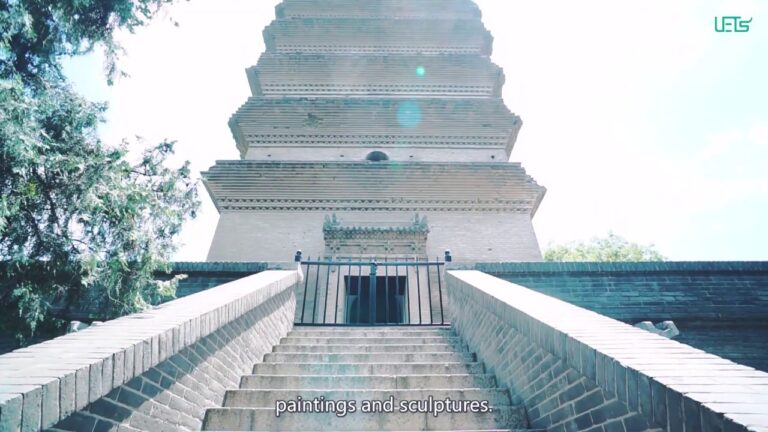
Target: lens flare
421, 71
408, 114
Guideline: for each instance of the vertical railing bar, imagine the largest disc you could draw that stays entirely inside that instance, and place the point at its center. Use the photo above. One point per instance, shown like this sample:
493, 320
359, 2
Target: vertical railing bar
440, 291
304, 300
347, 286
429, 294
372, 294
317, 287
397, 287
325, 299
336, 309
418, 289
386, 291
359, 289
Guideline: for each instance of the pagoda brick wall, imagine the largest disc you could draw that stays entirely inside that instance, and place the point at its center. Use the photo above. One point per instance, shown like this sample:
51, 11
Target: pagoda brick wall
275, 236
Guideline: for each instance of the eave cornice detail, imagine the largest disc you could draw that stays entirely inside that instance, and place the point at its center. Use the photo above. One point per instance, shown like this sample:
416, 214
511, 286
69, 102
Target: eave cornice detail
374, 121
301, 74
369, 186
401, 9
496, 206
363, 35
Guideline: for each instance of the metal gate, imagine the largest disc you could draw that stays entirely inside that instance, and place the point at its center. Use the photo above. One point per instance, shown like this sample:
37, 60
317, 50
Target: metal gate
368, 291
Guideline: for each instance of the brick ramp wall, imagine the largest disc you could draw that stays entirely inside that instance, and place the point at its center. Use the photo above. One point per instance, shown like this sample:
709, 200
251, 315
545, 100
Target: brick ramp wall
200, 276
636, 291
157, 370
720, 307
575, 369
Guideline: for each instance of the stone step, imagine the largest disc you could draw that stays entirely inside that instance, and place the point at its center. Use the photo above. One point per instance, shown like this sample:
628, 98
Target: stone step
372, 332
338, 369
422, 357
349, 365
371, 348
250, 419
380, 382
299, 340
251, 398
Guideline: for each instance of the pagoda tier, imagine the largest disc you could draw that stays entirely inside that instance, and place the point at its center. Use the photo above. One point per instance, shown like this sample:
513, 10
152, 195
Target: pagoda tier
377, 9
371, 186
278, 75
374, 113
383, 36
424, 128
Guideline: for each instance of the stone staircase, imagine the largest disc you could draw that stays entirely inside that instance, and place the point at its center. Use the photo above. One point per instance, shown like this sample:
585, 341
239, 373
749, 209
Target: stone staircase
328, 367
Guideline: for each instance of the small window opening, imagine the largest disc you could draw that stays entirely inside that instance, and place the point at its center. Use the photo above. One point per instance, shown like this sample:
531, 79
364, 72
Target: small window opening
377, 156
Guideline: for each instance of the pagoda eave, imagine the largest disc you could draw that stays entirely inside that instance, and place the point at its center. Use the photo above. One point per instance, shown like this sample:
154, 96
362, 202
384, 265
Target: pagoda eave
402, 9
381, 36
417, 186
345, 75
372, 120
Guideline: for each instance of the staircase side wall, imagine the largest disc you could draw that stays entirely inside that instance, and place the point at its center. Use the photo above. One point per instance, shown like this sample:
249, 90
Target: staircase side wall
574, 369
159, 370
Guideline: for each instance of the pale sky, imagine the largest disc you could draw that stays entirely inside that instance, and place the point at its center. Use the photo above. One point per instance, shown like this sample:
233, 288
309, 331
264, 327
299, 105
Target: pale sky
638, 117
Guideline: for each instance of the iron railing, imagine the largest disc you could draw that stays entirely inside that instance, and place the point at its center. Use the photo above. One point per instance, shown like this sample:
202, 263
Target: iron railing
370, 291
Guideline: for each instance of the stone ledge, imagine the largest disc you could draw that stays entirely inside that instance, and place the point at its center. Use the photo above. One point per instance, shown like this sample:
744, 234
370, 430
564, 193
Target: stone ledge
218, 266
44, 383
622, 267
670, 384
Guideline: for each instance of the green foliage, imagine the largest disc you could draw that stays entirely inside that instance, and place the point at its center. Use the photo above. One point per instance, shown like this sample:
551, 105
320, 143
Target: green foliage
35, 34
80, 225
611, 248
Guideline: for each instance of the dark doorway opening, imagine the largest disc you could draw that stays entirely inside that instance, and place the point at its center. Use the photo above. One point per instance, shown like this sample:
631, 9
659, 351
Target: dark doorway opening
388, 304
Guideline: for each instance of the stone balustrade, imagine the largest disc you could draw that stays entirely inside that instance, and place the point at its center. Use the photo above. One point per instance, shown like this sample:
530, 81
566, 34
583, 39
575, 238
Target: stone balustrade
575, 369
157, 370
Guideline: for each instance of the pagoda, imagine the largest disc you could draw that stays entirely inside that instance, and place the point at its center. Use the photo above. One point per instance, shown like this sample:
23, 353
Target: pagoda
374, 128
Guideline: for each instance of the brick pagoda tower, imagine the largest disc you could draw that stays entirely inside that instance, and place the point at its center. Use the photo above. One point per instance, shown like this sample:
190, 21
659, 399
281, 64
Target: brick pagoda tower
374, 128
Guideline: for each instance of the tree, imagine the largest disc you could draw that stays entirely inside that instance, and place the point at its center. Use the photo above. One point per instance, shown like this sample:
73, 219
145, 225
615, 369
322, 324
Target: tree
611, 248
36, 34
79, 222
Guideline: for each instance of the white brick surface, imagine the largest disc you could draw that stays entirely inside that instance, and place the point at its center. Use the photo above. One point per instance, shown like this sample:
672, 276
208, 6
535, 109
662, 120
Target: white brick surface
471, 236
